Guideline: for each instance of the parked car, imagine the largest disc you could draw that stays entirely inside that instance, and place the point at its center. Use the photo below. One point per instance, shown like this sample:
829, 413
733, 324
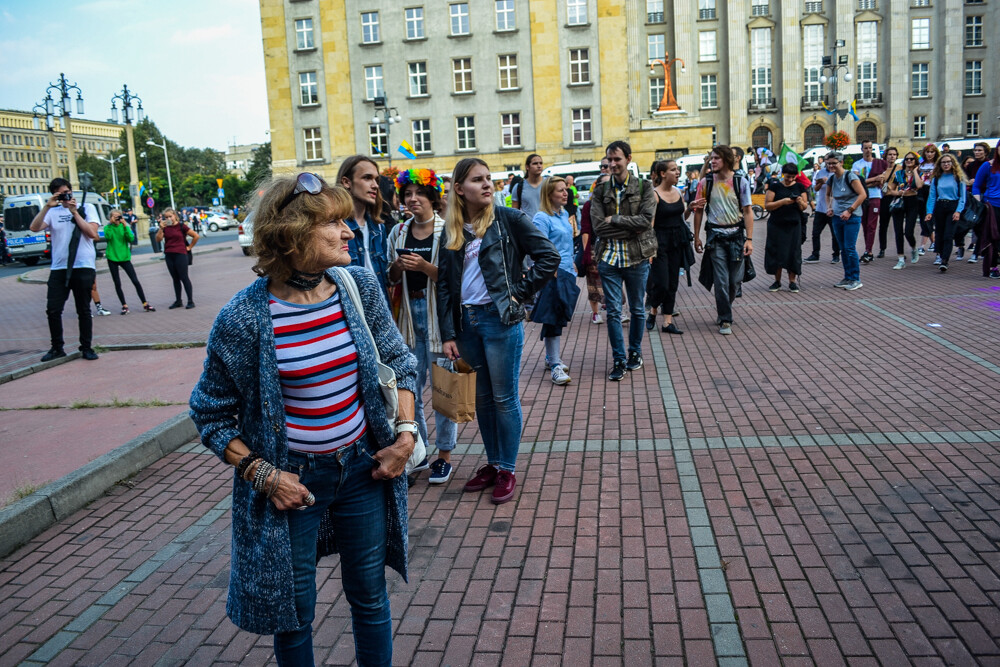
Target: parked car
217, 221
246, 234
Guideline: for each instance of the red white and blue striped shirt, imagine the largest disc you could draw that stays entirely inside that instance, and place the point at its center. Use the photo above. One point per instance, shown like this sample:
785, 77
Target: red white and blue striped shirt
318, 371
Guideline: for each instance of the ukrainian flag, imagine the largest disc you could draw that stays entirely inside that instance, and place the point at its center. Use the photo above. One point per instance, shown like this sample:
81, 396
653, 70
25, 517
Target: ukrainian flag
407, 150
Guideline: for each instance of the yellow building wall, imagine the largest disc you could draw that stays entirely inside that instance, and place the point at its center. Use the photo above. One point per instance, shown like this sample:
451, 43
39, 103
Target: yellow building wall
611, 24
546, 76
279, 94
337, 79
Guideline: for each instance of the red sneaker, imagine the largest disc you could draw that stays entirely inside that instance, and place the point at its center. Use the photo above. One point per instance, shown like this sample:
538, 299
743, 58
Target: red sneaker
504, 489
485, 477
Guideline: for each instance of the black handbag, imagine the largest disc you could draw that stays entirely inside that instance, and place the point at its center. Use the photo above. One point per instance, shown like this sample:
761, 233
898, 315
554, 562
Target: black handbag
972, 215
749, 272
896, 204
190, 258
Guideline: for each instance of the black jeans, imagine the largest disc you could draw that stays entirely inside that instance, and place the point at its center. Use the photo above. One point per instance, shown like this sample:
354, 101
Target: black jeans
944, 228
80, 283
904, 222
664, 276
177, 265
884, 216
130, 272
820, 221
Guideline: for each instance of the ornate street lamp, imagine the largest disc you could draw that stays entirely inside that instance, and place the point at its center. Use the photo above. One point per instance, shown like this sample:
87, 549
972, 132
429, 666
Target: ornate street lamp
60, 104
131, 111
390, 116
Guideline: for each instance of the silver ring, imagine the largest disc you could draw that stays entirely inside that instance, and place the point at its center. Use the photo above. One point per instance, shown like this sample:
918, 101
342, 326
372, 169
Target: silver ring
304, 507
310, 499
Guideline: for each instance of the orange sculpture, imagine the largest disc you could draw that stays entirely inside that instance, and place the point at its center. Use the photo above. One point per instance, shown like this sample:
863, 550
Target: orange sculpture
667, 102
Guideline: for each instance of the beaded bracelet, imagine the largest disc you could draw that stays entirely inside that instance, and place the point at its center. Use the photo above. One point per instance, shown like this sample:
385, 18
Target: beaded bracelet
244, 465
264, 470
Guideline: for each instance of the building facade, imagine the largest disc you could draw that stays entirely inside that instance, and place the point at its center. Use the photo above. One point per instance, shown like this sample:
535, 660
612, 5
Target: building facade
30, 157
239, 157
499, 79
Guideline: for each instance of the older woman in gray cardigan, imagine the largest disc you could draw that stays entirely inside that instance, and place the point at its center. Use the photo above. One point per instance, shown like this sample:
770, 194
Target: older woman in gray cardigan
290, 397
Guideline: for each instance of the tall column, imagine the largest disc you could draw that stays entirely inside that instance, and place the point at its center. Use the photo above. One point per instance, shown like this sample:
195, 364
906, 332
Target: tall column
790, 56
895, 32
611, 30
949, 33
142, 225
546, 77
738, 57
687, 87
638, 66
53, 156
70, 152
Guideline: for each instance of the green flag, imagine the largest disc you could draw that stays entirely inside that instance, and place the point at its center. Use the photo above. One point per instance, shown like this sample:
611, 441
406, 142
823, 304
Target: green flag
788, 155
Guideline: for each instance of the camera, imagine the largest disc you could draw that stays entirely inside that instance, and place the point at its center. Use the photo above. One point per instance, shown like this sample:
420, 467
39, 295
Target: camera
66, 196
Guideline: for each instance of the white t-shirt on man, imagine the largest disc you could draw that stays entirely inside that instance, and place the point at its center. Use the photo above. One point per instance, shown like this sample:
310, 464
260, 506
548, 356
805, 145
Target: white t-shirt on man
60, 223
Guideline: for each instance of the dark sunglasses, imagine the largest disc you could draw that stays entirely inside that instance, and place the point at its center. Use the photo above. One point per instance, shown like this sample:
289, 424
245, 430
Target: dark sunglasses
305, 182
909, 159
604, 166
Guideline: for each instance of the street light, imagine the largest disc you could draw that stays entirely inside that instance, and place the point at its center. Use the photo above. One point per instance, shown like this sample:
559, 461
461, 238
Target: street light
60, 103
129, 114
42, 109
389, 117
830, 73
166, 158
114, 176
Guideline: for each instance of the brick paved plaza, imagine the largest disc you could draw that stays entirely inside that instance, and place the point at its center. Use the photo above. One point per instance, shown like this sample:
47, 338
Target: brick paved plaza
819, 488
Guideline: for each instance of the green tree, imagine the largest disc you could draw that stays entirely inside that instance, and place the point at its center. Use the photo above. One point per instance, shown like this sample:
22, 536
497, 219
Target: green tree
260, 166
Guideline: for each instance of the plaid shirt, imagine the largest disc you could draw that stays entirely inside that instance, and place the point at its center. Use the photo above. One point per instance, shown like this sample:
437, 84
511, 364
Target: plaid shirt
616, 250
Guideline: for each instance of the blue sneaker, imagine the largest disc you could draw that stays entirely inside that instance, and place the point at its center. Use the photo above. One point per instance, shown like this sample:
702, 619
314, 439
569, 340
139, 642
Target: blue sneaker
423, 465
440, 472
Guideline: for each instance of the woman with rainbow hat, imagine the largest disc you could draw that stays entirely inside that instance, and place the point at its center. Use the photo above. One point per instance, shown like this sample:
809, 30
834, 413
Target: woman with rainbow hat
413, 256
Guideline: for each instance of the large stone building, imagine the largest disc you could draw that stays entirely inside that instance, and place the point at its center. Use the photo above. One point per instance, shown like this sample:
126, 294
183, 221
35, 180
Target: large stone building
239, 158
502, 78
31, 157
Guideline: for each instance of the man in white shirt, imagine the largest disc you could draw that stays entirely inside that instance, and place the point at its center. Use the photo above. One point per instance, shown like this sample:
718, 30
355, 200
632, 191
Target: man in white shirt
74, 266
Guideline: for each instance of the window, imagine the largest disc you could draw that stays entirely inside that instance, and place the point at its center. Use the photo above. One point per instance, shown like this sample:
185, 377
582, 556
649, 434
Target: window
422, 135
656, 89
812, 60
465, 126
918, 79
418, 79
814, 135
866, 131
654, 11
706, 9
505, 15
867, 60
706, 46
576, 12
379, 139
973, 30
581, 126
709, 91
760, 8
308, 88
974, 77
921, 3
414, 22
313, 141
920, 33
459, 18
760, 65
761, 137
814, 7
304, 34
462, 70
510, 130
369, 28
867, 4
373, 82
972, 124
920, 127
656, 46
507, 67
579, 66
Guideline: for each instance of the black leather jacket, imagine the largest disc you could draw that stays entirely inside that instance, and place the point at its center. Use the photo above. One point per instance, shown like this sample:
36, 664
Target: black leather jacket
505, 244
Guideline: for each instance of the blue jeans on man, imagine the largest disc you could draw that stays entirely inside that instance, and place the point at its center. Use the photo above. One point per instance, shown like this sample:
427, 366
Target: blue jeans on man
493, 349
446, 430
343, 480
634, 280
846, 233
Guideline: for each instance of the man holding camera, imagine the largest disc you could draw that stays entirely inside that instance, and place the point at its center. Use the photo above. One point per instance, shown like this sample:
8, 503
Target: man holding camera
74, 260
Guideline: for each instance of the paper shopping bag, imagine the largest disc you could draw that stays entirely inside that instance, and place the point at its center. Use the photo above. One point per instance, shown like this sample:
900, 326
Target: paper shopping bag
454, 393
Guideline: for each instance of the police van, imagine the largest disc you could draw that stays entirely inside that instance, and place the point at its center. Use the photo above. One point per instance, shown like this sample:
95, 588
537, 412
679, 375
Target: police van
29, 247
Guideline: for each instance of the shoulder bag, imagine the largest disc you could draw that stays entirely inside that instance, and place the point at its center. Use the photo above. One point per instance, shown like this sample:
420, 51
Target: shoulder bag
386, 376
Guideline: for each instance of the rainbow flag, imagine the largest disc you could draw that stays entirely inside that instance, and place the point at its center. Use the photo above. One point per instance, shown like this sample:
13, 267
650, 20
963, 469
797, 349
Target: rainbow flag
407, 150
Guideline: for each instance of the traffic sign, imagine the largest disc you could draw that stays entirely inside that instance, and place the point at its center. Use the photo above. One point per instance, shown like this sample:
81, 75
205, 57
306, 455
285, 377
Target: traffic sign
149, 202
215, 201
219, 181
222, 193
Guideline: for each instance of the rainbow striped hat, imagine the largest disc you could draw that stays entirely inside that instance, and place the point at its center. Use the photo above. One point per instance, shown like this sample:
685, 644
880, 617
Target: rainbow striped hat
425, 177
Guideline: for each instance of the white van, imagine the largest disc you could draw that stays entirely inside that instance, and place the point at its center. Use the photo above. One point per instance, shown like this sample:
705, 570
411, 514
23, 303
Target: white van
851, 153
584, 174
686, 162
29, 247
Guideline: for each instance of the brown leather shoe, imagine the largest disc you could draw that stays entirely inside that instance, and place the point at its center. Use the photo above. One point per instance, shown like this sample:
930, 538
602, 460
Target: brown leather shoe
485, 478
504, 489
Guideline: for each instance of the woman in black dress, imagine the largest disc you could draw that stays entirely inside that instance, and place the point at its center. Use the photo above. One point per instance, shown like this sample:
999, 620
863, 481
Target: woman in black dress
672, 237
785, 200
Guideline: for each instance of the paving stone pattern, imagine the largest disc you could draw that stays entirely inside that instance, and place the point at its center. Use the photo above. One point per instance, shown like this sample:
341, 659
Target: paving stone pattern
819, 488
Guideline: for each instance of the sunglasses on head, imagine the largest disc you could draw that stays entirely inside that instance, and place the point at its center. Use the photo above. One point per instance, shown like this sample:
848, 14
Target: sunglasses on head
304, 182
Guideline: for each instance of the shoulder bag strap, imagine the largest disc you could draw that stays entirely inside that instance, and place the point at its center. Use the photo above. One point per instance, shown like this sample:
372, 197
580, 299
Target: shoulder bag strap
352, 293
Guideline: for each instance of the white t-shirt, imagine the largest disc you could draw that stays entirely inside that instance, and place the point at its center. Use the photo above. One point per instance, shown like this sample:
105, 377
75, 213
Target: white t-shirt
59, 221
365, 233
863, 168
474, 292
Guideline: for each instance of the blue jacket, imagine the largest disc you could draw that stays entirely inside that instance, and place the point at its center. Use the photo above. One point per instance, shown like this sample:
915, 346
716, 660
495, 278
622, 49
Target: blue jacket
376, 250
987, 184
239, 396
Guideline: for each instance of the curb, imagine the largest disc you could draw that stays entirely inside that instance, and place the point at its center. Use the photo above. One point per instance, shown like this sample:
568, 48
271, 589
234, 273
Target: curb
25, 519
23, 278
19, 373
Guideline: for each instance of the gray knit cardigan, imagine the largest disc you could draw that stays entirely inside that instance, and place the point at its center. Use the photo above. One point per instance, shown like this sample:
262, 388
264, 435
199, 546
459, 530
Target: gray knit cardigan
239, 396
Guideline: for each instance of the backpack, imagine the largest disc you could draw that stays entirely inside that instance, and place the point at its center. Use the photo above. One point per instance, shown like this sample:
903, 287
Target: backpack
737, 180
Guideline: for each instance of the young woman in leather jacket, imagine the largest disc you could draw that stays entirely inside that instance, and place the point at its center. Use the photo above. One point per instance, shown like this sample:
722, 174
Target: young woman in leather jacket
481, 288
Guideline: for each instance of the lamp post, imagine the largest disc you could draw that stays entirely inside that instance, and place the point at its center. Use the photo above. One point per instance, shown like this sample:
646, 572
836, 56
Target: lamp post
131, 113
667, 102
60, 105
41, 109
389, 117
149, 183
166, 158
114, 176
830, 72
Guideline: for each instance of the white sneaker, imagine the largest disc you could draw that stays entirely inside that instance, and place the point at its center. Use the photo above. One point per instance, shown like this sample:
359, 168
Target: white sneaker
914, 256
626, 316
853, 286
560, 376
973, 259
596, 318
102, 311
901, 264
549, 366
937, 260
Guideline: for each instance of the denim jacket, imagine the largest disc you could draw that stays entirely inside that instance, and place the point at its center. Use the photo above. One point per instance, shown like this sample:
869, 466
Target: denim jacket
376, 249
239, 396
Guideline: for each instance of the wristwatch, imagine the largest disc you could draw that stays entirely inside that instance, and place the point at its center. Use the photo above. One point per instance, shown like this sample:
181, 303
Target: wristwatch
407, 427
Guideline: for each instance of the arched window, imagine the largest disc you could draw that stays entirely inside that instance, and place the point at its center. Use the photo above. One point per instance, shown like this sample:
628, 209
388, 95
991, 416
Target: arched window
866, 131
814, 135
761, 137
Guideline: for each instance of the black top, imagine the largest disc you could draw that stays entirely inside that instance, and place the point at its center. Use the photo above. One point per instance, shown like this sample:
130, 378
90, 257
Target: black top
789, 214
669, 215
417, 280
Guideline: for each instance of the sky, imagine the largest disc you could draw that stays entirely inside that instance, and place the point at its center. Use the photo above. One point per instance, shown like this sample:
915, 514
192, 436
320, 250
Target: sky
197, 65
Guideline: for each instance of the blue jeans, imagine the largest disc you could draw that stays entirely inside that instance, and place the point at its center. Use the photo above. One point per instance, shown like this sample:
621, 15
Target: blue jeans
447, 430
634, 278
341, 480
846, 234
493, 349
